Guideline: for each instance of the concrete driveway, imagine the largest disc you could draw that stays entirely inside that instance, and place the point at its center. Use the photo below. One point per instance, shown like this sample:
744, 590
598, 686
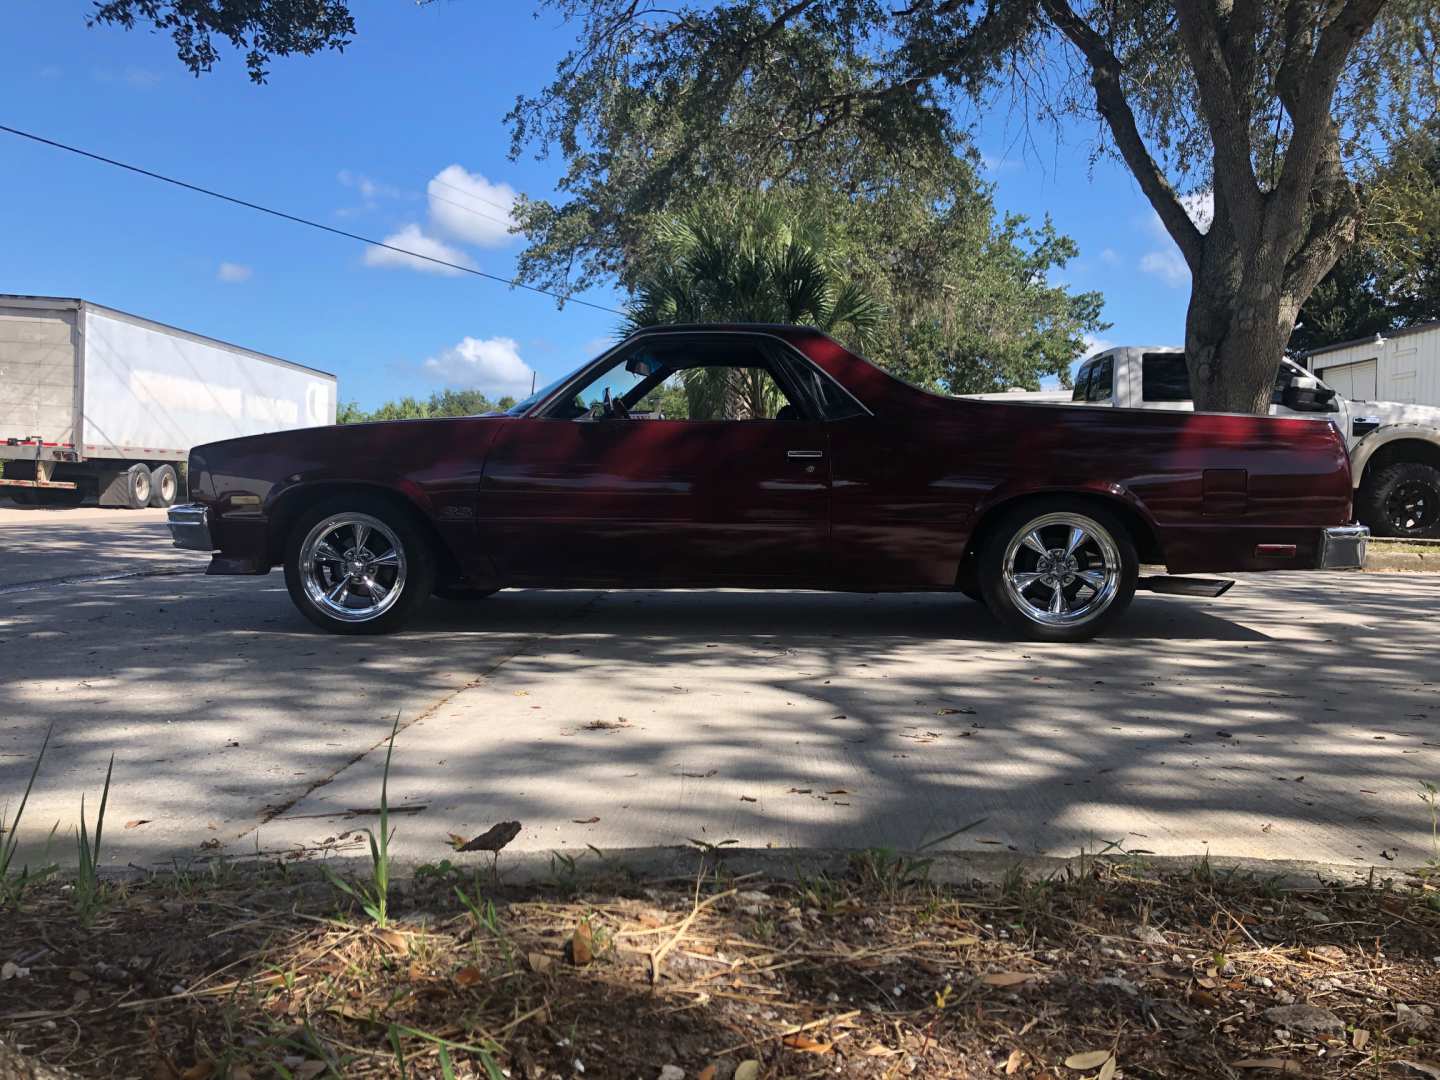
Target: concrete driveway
1294, 718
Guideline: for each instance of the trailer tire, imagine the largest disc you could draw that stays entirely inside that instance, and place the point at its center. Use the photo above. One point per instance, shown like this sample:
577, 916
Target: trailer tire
164, 486
138, 486
1403, 500
388, 549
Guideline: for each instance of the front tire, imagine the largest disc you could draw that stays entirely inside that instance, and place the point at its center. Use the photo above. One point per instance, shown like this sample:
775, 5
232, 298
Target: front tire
1059, 570
358, 564
1403, 500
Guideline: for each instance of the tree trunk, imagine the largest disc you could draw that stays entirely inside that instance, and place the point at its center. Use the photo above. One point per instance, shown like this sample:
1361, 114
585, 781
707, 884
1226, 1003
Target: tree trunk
1236, 327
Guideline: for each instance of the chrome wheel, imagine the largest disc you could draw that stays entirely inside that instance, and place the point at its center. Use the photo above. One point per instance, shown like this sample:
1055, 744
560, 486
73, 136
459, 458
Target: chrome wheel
352, 567
1061, 569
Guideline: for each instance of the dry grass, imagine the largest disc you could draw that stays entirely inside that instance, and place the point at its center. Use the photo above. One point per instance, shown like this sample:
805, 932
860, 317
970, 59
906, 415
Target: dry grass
874, 974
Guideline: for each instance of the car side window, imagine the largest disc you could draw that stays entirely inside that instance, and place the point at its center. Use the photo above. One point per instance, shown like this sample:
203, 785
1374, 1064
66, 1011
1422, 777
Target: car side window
1101, 384
1082, 380
1164, 377
683, 379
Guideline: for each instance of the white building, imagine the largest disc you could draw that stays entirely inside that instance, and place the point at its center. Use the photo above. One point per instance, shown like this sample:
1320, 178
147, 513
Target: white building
1403, 365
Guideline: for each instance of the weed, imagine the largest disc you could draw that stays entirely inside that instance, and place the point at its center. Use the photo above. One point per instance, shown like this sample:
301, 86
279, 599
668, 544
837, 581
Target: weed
1430, 796
374, 898
10, 890
887, 871
88, 887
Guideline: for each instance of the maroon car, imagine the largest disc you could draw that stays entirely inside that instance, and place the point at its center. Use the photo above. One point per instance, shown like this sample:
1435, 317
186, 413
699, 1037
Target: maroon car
808, 468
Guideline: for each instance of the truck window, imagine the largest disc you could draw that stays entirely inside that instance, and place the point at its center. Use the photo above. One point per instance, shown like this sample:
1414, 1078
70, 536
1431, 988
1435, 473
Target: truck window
1101, 384
1164, 377
1082, 379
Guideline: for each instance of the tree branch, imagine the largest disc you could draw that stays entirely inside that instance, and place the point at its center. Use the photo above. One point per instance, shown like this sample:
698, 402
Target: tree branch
1110, 100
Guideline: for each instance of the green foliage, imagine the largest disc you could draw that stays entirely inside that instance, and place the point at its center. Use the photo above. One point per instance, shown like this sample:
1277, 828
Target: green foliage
1391, 278
262, 28
1265, 107
11, 889
89, 890
440, 403
374, 897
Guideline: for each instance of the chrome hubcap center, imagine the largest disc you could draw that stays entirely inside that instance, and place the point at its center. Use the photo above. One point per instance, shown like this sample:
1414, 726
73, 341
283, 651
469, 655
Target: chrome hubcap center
1057, 568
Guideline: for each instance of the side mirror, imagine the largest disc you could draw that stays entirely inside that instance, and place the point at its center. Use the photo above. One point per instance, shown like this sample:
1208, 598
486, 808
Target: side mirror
1313, 398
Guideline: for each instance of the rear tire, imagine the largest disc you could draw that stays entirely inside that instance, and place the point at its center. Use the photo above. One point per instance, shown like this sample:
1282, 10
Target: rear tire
358, 564
138, 487
1402, 500
1068, 547
164, 485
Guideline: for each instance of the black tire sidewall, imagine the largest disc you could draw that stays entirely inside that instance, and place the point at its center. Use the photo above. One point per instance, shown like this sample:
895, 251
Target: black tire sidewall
1378, 492
992, 557
157, 483
419, 557
132, 487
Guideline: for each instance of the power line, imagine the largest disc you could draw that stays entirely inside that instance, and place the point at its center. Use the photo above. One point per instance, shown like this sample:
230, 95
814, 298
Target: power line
471, 194
304, 221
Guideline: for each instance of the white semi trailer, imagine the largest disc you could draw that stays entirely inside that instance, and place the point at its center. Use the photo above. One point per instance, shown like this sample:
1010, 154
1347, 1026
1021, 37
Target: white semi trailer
96, 403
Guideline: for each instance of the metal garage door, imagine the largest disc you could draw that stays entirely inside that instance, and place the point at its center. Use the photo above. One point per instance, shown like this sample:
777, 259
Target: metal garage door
1355, 381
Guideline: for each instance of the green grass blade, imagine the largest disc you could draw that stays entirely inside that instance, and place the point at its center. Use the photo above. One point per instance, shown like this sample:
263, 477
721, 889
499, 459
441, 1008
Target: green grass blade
12, 837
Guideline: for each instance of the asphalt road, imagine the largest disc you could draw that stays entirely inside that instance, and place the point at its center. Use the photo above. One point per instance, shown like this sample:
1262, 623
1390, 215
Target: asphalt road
1294, 718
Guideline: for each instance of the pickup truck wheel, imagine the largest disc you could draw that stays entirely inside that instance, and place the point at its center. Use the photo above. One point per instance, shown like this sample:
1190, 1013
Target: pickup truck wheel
138, 486
1403, 500
1061, 571
164, 485
357, 565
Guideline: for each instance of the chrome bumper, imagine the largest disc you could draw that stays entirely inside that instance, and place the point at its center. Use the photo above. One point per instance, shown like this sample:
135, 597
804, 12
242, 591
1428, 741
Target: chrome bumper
190, 527
1343, 547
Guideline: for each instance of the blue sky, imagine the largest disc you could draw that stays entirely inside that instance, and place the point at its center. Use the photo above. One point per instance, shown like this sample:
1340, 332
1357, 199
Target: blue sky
399, 136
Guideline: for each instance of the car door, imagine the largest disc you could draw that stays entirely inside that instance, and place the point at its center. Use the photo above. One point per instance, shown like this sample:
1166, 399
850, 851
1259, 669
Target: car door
656, 502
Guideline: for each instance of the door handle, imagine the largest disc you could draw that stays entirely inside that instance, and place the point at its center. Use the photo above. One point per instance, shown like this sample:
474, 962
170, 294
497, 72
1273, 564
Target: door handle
802, 455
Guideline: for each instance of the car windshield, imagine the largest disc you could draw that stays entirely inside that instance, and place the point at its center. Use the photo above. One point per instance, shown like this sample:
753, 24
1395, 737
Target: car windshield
521, 407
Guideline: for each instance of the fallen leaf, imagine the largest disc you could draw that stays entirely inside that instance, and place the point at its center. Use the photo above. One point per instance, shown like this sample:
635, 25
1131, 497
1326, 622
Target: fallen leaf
838, 791
493, 838
137, 823
800, 791
1009, 978
396, 941
309, 1070
747, 798
707, 1073
1283, 1065
582, 945
585, 821
1088, 1060
455, 840
468, 976
1360, 1037
1107, 1071
539, 962
748, 1070
199, 1071
802, 1042
1012, 1064
1422, 1068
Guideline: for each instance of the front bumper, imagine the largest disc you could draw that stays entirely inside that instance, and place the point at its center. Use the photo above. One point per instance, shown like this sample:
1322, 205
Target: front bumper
190, 527
1343, 547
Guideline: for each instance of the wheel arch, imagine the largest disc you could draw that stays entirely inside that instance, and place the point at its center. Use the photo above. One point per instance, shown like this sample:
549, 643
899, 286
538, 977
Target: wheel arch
1385, 448
1137, 523
287, 507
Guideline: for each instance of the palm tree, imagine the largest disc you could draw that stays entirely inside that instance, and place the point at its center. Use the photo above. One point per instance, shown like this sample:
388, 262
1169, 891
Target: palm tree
750, 262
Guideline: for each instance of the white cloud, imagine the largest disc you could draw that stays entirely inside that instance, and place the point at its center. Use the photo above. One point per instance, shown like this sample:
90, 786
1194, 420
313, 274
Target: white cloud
1165, 262
414, 239
1094, 345
1167, 265
468, 207
490, 365
1109, 256
233, 273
